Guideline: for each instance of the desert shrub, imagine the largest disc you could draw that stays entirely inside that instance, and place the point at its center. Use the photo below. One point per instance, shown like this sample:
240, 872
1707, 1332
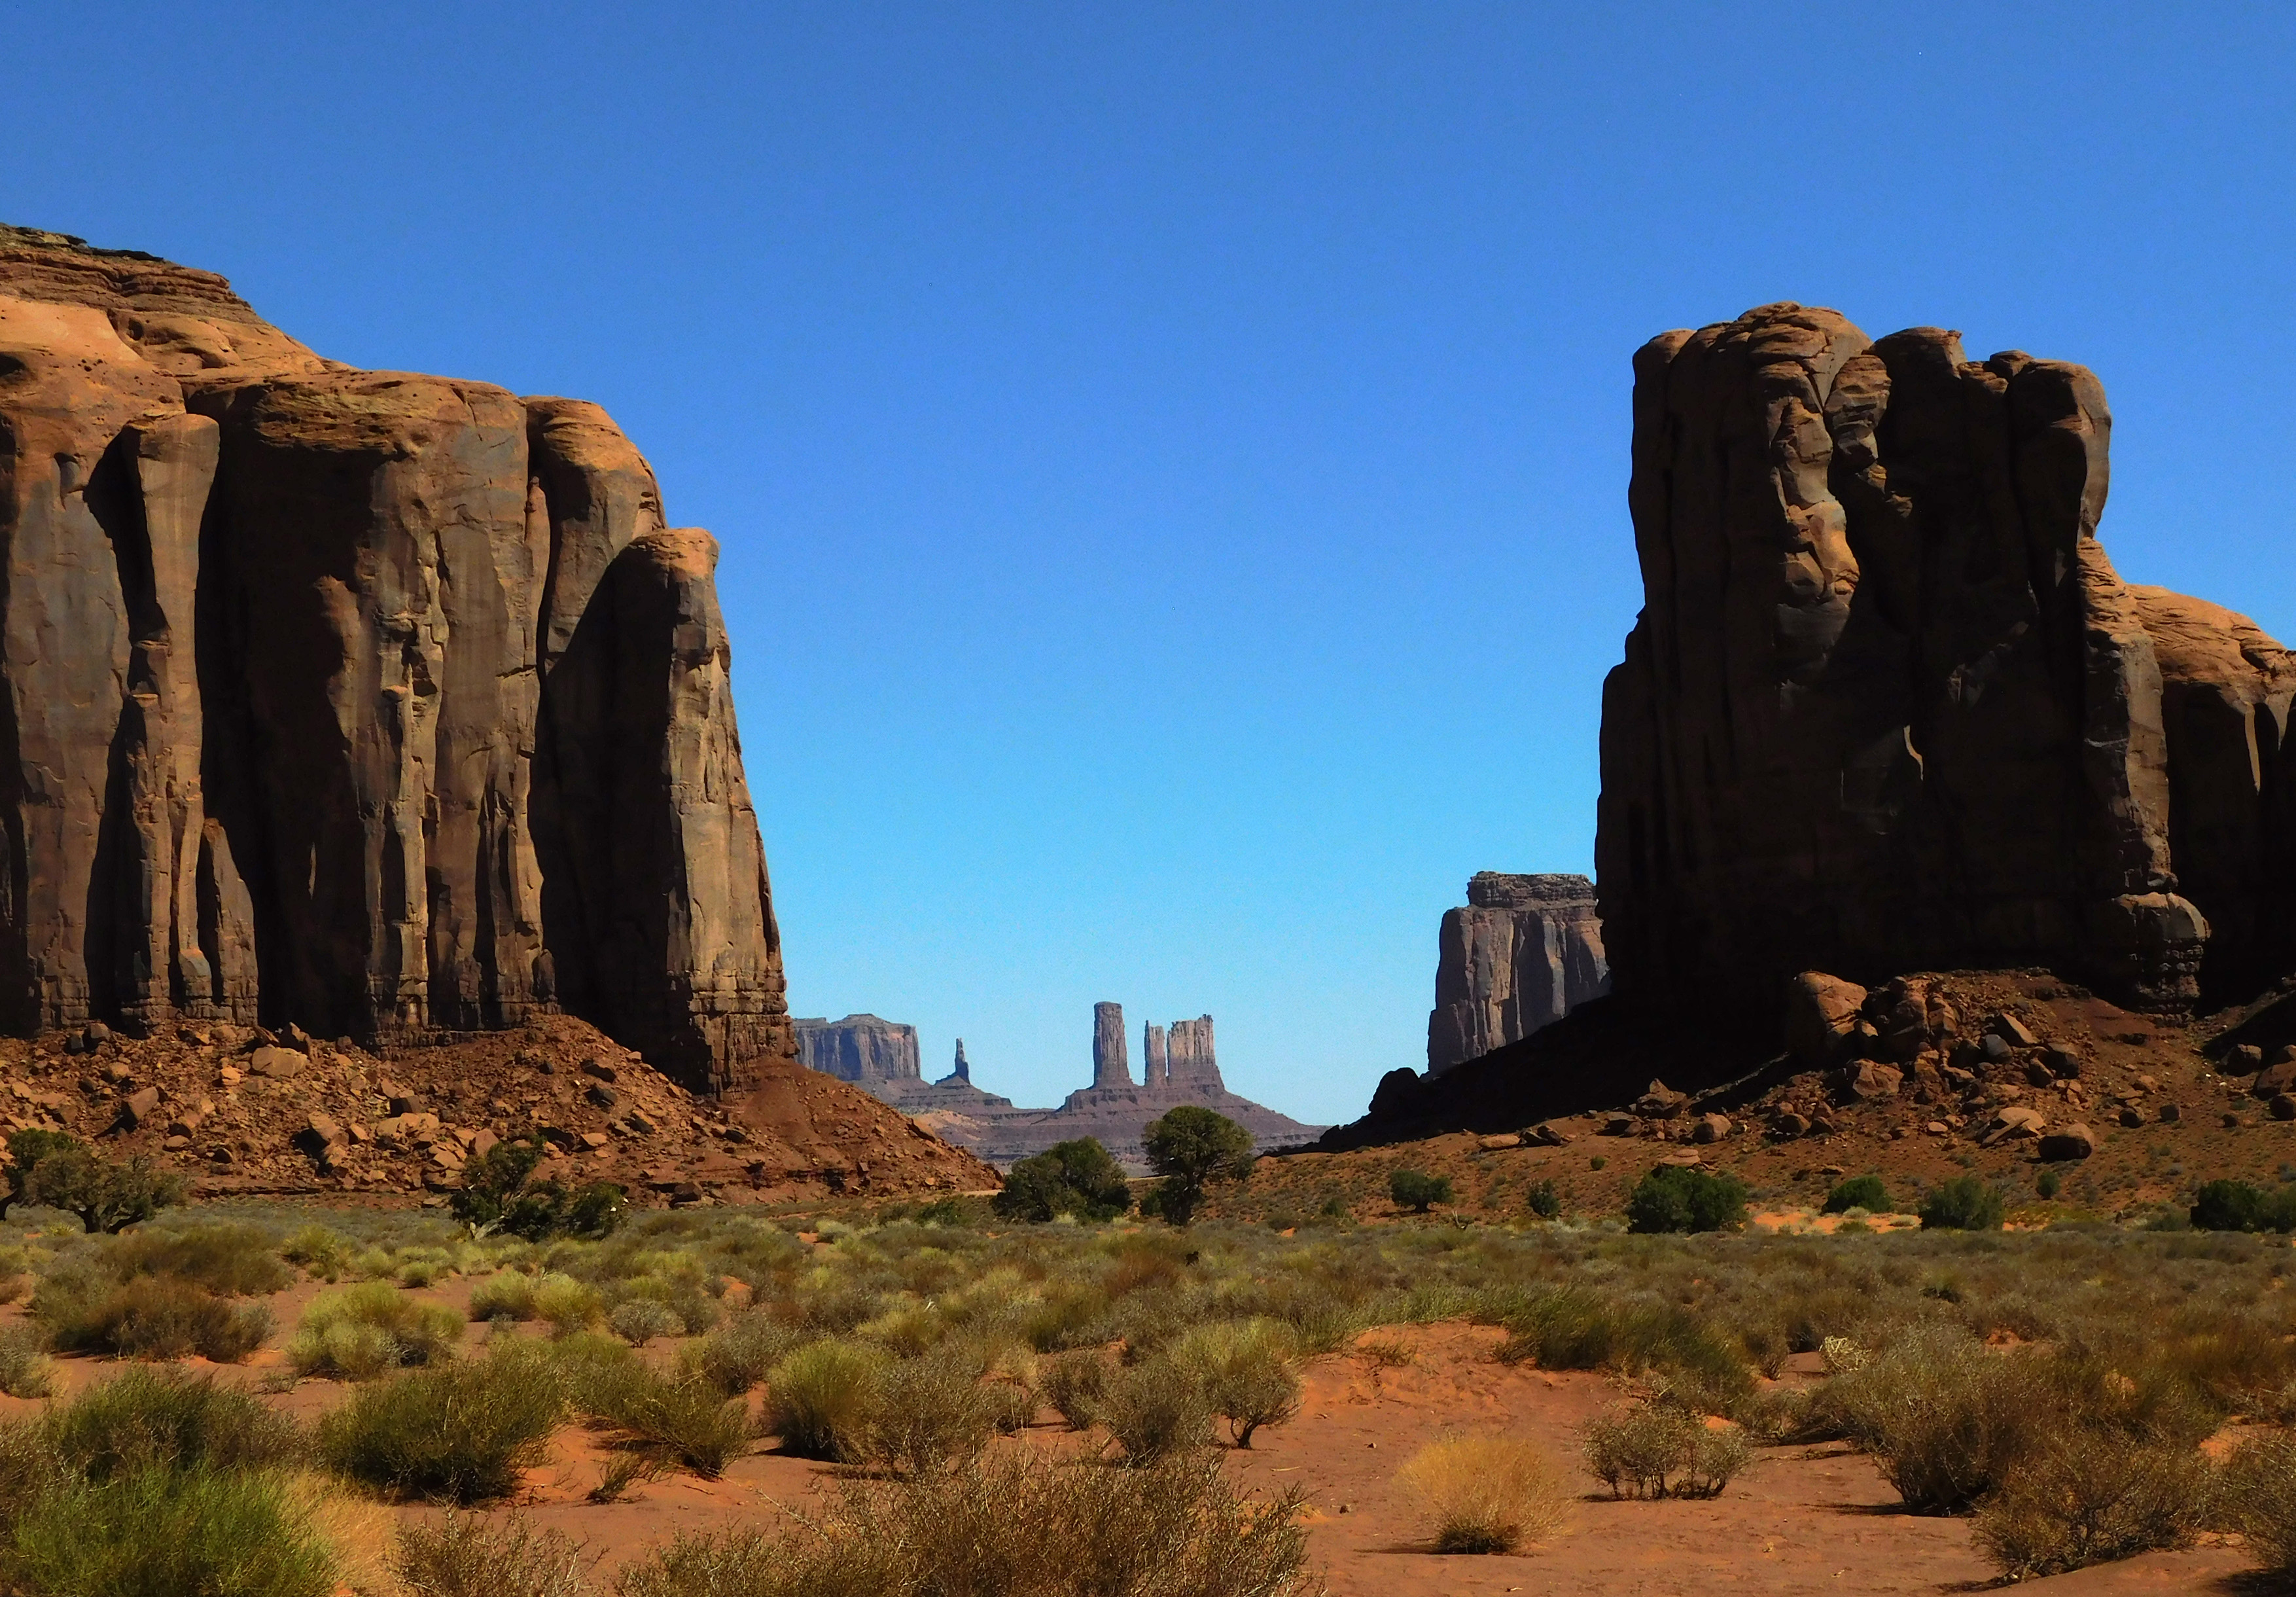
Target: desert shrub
322, 1251
1416, 1190
1660, 1450
737, 1354
2048, 1184
457, 1431
508, 1295
1543, 1201
567, 1304
1078, 1177
357, 1333
1966, 1203
150, 1317
231, 1260
25, 1368
166, 1418
463, 1556
682, 1417
1247, 1371
2092, 1495
819, 1399
2259, 1499
926, 1414
498, 1193
2231, 1206
1017, 1523
193, 1532
1946, 1418
1074, 1384
1485, 1493
1681, 1198
1866, 1192
1572, 1329
1155, 1407
638, 1320
1192, 1147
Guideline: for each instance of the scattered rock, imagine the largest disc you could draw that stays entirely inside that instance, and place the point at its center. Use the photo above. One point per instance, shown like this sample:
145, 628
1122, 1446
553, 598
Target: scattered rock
1709, 1128
1661, 1102
601, 1095
2015, 1030
2283, 1106
2275, 1079
137, 1109
2071, 1141
600, 1069
1547, 1134
2169, 1113
1504, 1139
1788, 1125
2243, 1059
1867, 1081
1995, 1046
2132, 1116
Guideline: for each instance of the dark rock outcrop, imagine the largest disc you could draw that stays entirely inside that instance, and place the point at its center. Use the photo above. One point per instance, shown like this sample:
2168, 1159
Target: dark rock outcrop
1889, 707
370, 701
1525, 951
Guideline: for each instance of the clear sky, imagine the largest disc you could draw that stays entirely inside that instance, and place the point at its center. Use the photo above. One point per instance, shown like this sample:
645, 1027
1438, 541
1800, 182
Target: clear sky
1171, 458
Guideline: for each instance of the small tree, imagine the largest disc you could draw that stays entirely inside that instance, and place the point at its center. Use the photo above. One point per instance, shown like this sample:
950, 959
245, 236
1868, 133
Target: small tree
1416, 1190
59, 1172
495, 1195
1079, 1177
1191, 1146
1966, 1203
2225, 1206
1676, 1198
1543, 1201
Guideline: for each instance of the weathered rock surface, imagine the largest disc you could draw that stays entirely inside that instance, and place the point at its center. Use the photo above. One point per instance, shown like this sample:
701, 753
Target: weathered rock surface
1112, 1066
1524, 952
369, 702
1889, 707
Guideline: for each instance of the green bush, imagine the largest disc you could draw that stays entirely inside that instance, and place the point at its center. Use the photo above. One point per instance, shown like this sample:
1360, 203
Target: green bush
358, 1332
638, 1320
1947, 1418
194, 1532
166, 1418
1543, 1201
1660, 1450
231, 1261
1966, 1203
2230, 1206
1572, 1328
927, 1413
737, 1354
1016, 1524
508, 1295
567, 1304
1078, 1177
498, 1193
1864, 1192
2048, 1184
1192, 1147
55, 1171
150, 1317
458, 1431
466, 1556
1681, 1198
821, 1399
1416, 1190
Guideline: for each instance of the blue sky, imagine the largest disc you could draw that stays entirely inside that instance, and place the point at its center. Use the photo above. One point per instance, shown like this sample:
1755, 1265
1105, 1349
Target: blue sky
1171, 458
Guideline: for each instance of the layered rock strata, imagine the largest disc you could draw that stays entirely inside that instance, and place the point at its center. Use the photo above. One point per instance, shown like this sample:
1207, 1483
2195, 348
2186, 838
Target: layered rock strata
1524, 952
1887, 706
367, 701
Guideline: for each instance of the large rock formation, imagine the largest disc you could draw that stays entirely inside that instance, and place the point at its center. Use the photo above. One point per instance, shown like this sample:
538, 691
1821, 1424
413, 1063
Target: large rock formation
372, 702
1887, 706
860, 1048
1525, 951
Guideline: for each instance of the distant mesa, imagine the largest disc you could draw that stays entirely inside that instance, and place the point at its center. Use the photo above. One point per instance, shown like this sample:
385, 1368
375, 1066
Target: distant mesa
1182, 1067
1524, 952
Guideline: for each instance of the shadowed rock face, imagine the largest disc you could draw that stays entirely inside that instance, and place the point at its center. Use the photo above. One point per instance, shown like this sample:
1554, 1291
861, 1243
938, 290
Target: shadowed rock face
1889, 707
370, 701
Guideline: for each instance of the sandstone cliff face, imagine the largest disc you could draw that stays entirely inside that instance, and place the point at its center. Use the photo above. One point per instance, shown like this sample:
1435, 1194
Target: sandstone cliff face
1525, 951
860, 1048
1889, 707
368, 701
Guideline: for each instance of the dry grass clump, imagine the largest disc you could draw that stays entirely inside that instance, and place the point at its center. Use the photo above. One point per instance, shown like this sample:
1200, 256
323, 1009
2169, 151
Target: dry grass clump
820, 1399
638, 1320
1660, 1450
506, 1294
357, 1333
2091, 1496
1074, 1384
462, 1556
1018, 1526
1486, 1492
737, 1354
148, 1317
165, 1418
25, 1370
1154, 1409
926, 1414
229, 1260
2259, 1499
460, 1432
683, 1418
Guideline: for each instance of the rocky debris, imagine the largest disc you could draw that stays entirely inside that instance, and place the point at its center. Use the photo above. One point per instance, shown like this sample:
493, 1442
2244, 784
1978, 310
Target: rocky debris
383, 701
859, 1047
1660, 1101
1889, 707
1524, 952
391, 1125
2283, 1106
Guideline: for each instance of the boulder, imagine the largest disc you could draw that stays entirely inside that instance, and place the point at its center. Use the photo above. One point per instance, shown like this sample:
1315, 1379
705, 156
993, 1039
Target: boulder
1547, 1134
319, 1133
2015, 1030
2283, 1106
1495, 1144
277, 1064
1660, 1101
2275, 1079
1821, 1013
1869, 1081
1709, 1128
1524, 952
2242, 1059
2070, 1140
2014, 1122
137, 1109
1787, 1126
